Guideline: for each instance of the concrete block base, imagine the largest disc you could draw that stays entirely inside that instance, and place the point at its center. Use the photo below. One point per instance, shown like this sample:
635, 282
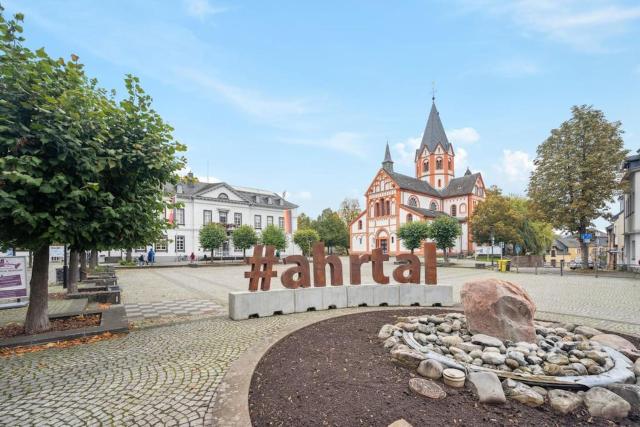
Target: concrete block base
243, 305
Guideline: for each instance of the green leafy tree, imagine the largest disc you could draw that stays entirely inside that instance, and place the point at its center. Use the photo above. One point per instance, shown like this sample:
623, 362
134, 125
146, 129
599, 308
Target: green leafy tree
332, 230
305, 238
304, 222
444, 230
244, 237
349, 210
576, 172
495, 217
413, 234
212, 236
274, 236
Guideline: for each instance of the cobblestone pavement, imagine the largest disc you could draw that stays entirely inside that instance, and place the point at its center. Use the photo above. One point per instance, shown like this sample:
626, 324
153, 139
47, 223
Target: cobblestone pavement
163, 375
143, 311
55, 307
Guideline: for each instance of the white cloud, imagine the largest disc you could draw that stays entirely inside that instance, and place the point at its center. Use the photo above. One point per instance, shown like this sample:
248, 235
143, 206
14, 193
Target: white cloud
583, 24
346, 142
461, 160
466, 135
201, 8
404, 153
516, 165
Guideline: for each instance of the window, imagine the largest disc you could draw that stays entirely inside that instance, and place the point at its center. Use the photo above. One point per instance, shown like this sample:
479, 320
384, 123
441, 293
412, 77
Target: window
142, 249
377, 209
162, 245
439, 163
413, 202
409, 218
387, 210
223, 196
180, 216
222, 217
237, 219
449, 163
433, 206
179, 243
453, 210
463, 208
425, 166
439, 183
257, 222
633, 249
179, 189
281, 222
269, 221
553, 252
359, 224
207, 217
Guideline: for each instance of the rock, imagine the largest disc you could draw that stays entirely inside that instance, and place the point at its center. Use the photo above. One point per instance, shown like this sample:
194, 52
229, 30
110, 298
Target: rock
606, 404
551, 369
577, 353
486, 387
557, 359
475, 354
629, 392
444, 327
420, 337
499, 308
391, 342
431, 369
600, 357
400, 423
522, 393
586, 331
494, 358
595, 370
410, 358
579, 368
636, 368
469, 347
386, 331
540, 390
463, 357
451, 340
477, 362
409, 327
511, 363
426, 388
431, 338
616, 342
426, 329
407, 319
456, 325
504, 368
517, 356
564, 401
486, 340
534, 360
491, 350
436, 319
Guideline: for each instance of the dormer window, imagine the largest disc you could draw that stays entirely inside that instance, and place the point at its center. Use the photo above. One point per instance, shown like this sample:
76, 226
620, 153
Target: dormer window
269, 201
179, 189
223, 196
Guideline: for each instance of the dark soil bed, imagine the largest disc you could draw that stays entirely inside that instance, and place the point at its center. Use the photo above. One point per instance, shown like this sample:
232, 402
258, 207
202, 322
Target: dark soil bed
59, 324
337, 373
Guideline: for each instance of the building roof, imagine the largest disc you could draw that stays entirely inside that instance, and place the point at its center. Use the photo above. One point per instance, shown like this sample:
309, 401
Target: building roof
434, 133
461, 185
252, 196
406, 182
567, 242
430, 213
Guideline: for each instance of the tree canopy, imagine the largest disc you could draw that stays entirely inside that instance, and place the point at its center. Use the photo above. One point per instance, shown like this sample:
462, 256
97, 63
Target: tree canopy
576, 170
274, 236
212, 236
413, 234
349, 210
244, 237
332, 229
305, 238
444, 230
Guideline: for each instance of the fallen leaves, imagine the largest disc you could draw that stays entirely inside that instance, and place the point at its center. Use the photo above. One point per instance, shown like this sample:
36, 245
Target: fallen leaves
18, 351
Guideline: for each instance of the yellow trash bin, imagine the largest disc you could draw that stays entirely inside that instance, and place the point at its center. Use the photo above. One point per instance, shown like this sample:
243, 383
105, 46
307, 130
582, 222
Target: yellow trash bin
502, 265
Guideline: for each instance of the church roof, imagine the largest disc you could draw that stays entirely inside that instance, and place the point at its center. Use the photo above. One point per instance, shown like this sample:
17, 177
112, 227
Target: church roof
406, 182
429, 213
461, 185
387, 155
434, 133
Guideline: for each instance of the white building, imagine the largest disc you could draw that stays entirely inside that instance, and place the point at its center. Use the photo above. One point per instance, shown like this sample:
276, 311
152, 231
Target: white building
228, 205
630, 169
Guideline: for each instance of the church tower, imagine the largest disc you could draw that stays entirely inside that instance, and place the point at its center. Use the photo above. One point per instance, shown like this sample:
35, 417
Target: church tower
435, 156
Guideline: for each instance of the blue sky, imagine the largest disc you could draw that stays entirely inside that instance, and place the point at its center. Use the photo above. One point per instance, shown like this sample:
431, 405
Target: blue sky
302, 96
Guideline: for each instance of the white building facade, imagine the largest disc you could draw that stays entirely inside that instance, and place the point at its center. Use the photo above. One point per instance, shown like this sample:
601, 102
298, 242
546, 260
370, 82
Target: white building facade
631, 212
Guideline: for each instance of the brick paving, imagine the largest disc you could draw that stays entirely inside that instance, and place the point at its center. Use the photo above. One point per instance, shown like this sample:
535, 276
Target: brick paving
144, 311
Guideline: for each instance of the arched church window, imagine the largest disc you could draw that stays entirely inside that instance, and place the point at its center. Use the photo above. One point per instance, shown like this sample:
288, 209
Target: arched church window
409, 217
449, 163
439, 163
433, 206
360, 225
413, 202
453, 210
387, 210
425, 166
377, 209
463, 208
439, 183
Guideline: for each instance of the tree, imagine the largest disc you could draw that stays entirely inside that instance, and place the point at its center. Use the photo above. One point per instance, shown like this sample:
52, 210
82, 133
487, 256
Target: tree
243, 238
332, 230
349, 210
413, 234
304, 222
495, 218
305, 238
444, 230
274, 236
576, 172
212, 236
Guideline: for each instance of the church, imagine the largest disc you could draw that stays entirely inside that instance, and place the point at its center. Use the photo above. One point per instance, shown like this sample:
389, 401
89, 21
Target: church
393, 199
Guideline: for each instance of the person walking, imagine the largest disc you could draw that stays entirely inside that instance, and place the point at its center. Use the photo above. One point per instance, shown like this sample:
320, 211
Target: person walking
151, 256
141, 260
192, 258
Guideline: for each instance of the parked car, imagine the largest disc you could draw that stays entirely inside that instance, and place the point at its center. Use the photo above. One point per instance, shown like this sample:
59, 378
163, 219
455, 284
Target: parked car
575, 264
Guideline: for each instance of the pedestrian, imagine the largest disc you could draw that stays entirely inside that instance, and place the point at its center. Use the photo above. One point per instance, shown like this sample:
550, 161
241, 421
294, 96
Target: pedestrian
141, 260
151, 256
192, 257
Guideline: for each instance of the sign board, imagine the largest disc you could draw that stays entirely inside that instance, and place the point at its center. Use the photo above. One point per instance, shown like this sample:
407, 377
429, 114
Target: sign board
13, 277
587, 236
56, 252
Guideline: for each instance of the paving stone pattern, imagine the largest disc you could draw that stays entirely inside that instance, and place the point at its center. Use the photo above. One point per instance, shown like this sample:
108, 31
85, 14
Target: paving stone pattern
18, 315
144, 311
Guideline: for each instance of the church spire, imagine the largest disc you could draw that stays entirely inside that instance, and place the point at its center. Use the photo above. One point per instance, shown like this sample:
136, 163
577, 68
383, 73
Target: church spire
434, 133
387, 163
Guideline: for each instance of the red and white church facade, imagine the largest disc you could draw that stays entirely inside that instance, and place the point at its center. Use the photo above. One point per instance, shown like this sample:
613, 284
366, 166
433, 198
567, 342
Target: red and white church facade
394, 199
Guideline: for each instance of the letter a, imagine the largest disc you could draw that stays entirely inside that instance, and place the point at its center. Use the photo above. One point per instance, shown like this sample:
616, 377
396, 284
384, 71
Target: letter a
412, 267
301, 269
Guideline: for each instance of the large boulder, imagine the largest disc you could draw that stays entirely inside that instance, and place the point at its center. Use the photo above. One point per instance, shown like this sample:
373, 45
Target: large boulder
604, 403
500, 309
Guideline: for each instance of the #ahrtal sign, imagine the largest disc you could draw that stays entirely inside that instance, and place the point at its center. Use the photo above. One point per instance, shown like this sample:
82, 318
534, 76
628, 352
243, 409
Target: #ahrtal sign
299, 275
13, 277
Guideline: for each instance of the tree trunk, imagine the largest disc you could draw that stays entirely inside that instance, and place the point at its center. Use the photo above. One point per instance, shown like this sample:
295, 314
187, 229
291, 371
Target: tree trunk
411, 251
211, 256
38, 314
584, 249
72, 284
30, 259
446, 255
83, 265
93, 259
128, 256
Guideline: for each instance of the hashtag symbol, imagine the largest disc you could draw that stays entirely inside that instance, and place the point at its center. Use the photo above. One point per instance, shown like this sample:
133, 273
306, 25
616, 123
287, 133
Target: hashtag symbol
261, 268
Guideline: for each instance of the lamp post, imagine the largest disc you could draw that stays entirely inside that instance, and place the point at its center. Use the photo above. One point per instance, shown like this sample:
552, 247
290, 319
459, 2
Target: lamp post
492, 243
65, 269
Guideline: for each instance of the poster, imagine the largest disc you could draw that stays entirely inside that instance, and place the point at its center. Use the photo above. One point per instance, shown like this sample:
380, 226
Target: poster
13, 277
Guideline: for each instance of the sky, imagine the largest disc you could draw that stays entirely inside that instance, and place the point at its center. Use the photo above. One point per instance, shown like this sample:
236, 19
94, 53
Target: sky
303, 96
